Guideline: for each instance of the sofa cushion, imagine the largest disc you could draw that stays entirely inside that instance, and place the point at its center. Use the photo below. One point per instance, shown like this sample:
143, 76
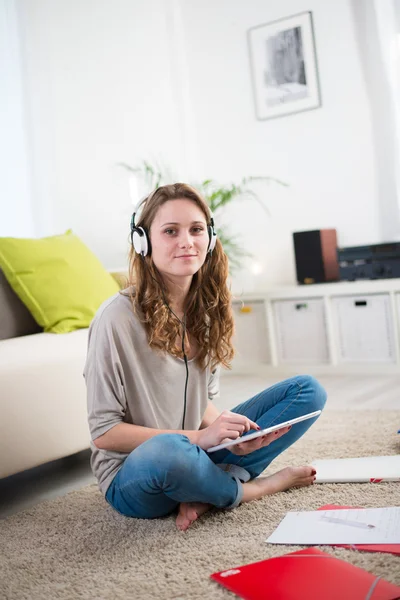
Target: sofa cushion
58, 278
15, 318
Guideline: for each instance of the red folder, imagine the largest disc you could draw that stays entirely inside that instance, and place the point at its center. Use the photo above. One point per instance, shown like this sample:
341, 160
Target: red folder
308, 574
389, 548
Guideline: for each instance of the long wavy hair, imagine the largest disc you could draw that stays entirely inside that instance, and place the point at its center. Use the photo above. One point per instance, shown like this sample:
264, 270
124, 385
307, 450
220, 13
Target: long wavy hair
209, 318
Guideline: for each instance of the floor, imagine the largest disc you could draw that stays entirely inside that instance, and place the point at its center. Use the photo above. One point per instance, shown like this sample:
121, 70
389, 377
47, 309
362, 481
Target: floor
355, 392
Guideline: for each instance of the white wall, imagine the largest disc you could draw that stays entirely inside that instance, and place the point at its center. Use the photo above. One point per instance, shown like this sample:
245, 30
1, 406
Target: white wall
377, 35
100, 92
326, 155
118, 81
16, 218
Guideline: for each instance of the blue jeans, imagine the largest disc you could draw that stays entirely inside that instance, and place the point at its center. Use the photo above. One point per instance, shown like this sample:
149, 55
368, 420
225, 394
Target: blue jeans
168, 469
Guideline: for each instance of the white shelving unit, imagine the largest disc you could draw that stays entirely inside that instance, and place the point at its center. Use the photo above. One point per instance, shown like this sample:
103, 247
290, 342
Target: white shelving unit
331, 327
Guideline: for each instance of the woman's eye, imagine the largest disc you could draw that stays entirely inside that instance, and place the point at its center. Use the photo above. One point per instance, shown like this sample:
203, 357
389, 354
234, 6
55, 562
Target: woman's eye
195, 230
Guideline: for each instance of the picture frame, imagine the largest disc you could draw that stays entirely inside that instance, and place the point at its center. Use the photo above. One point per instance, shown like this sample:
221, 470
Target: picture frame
283, 63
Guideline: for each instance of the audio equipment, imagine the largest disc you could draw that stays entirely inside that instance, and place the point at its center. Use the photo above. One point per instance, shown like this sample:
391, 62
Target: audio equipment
377, 261
316, 256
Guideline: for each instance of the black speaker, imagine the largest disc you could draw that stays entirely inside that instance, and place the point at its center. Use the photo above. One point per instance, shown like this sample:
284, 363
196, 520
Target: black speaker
316, 256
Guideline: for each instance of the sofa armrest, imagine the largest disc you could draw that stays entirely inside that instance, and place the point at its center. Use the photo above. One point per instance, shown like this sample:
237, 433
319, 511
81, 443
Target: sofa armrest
42, 399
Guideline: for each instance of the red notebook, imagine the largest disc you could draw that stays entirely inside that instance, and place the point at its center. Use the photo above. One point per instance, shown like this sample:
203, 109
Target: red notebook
308, 574
389, 548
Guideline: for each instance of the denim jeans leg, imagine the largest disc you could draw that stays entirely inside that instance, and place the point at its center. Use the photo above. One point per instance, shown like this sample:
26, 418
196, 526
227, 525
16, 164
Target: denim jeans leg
165, 471
286, 400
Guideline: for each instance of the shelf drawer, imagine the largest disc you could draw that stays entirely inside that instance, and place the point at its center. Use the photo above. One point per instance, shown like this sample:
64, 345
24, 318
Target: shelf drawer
251, 339
364, 328
301, 330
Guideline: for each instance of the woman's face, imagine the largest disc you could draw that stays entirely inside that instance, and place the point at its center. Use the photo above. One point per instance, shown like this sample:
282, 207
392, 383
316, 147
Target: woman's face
179, 238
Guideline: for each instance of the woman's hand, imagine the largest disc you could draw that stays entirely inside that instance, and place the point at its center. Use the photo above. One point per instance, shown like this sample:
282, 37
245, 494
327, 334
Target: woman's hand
264, 440
228, 426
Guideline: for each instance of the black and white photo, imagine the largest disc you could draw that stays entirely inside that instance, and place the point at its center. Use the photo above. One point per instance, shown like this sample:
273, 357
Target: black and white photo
284, 66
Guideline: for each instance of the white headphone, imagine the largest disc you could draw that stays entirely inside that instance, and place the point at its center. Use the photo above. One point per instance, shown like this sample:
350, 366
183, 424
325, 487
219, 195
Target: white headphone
141, 241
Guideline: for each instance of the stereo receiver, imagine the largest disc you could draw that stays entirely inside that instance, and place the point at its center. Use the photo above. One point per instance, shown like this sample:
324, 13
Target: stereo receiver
377, 261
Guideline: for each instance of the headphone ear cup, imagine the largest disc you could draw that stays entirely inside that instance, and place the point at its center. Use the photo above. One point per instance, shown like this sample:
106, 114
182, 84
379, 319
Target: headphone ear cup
213, 239
140, 241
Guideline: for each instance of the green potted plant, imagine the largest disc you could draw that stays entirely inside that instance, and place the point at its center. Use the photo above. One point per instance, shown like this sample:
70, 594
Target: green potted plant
217, 196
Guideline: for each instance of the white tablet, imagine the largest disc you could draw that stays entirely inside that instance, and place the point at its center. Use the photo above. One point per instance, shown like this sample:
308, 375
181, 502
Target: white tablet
261, 432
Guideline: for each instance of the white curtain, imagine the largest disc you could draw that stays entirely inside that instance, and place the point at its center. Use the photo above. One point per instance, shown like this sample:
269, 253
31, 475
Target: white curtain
16, 215
377, 35
388, 29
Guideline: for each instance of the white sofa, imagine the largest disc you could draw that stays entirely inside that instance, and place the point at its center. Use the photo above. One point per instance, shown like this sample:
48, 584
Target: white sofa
42, 390
42, 399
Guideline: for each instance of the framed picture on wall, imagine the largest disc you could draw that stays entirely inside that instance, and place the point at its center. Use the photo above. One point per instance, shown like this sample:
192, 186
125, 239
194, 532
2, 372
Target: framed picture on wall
284, 66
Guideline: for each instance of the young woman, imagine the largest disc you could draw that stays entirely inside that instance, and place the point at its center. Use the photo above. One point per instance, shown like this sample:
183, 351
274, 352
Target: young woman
152, 371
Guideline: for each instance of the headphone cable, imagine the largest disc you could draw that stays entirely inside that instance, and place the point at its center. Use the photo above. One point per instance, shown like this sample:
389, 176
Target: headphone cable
183, 323
187, 368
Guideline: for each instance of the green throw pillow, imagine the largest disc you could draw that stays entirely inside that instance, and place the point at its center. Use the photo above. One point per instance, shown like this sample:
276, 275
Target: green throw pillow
58, 278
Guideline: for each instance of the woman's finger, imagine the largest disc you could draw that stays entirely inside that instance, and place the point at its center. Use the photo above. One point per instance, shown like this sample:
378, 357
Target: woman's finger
239, 427
255, 443
229, 435
275, 435
242, 420
252, 424
280, 432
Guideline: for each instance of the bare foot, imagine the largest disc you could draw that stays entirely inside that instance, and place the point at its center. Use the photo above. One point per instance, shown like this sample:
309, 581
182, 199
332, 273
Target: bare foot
278, 482
252, 490
189, 512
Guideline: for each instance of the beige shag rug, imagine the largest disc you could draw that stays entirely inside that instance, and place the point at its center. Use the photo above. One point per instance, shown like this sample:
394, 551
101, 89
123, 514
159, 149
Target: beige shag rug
77, 547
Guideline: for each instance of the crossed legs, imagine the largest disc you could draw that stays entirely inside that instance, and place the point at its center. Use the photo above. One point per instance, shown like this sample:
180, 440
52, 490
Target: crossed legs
168, 471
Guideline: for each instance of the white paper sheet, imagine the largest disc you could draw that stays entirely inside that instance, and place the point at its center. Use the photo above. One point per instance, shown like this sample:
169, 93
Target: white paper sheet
367, 468
344, 526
